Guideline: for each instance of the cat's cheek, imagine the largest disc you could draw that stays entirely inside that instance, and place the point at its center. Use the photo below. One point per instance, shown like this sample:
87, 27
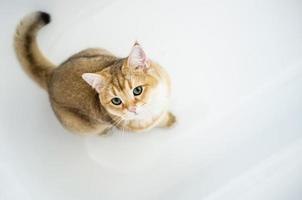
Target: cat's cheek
159, 98
114, 111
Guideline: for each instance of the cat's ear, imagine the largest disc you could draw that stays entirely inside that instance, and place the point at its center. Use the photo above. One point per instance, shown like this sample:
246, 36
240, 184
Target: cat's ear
137, 57
94, 80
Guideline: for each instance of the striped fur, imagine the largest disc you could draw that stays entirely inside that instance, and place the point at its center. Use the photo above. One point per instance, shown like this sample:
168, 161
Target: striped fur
26, 48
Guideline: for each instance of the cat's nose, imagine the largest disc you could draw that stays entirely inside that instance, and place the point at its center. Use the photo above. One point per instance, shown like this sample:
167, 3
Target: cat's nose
132, 109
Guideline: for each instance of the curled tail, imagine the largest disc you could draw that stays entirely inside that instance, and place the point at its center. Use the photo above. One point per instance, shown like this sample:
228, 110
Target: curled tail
28, 53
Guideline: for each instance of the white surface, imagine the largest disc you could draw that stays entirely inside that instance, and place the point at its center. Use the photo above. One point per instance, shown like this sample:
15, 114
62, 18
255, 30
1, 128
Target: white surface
237, 74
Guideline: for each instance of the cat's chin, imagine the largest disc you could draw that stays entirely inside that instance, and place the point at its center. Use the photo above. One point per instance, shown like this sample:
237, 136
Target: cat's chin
130, 117
143, 116
134, 117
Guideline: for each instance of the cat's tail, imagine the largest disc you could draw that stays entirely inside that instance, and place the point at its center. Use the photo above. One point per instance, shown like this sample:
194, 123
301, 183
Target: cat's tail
31, 58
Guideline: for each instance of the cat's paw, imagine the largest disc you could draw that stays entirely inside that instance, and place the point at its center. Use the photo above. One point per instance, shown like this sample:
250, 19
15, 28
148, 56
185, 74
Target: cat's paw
169, 120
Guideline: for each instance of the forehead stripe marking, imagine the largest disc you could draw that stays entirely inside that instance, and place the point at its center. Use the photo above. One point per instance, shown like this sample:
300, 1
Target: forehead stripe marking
119, 82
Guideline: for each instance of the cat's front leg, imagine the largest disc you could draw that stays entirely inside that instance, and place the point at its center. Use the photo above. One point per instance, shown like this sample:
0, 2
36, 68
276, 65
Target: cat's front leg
168, 120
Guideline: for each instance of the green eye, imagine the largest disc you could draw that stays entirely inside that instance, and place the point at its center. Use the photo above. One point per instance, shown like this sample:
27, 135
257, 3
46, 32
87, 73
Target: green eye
116, 101
138, 90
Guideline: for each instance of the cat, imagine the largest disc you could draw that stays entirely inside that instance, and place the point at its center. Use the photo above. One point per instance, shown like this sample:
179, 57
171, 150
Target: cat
93, 90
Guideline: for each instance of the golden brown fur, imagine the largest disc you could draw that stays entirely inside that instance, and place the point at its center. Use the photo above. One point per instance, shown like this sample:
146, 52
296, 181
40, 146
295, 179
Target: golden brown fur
28, 53
81, 89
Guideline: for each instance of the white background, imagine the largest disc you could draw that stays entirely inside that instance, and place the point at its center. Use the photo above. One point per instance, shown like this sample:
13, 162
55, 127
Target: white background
236, 68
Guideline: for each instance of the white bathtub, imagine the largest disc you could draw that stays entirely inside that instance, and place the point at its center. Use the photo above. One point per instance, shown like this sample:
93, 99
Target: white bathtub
237, 75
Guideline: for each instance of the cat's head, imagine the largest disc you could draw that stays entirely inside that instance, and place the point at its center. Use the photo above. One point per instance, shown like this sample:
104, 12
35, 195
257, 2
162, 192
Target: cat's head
132, 90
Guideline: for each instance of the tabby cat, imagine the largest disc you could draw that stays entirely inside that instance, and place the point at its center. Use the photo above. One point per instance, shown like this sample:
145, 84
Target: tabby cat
93, 90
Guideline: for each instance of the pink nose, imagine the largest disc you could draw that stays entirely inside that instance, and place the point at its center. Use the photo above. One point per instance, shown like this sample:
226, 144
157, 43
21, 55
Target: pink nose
132, 109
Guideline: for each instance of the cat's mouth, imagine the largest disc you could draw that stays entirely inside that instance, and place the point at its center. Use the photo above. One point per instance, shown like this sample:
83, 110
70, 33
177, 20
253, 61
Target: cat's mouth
132, 115
136, 114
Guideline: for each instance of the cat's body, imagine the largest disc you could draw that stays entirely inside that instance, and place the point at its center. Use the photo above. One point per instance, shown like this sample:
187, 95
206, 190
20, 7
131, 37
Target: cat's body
94, 90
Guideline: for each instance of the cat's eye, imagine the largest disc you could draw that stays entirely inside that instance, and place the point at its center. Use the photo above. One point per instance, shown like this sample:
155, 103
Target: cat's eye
138, 90
116, 101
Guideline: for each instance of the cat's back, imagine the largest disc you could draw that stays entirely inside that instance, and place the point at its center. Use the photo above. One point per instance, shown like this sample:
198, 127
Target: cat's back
66, 86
